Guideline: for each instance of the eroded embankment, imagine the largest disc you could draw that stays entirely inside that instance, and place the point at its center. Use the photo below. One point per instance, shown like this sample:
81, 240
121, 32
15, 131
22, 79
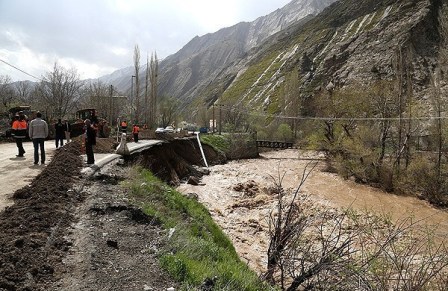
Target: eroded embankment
177, 160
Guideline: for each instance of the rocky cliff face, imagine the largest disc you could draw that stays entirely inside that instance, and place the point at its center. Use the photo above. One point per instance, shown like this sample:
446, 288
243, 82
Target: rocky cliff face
186, 74
352, 41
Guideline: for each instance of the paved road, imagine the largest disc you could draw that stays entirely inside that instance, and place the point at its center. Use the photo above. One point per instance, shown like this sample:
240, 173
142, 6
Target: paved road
103, 159
17, 172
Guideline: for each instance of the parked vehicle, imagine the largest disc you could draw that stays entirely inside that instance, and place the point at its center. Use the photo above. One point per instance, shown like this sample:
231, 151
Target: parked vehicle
160, 130
169, 129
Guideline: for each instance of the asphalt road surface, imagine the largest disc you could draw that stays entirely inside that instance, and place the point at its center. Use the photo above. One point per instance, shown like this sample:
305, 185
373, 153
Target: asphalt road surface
16, 172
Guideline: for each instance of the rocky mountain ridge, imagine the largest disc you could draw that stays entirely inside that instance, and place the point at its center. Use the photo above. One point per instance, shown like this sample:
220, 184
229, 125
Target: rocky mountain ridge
349, 42
185, 74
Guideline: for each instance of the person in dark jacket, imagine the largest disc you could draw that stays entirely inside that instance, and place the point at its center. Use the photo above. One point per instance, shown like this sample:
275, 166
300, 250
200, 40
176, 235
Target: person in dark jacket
67, 130
135, 130
90, 141
59, 133
19, 127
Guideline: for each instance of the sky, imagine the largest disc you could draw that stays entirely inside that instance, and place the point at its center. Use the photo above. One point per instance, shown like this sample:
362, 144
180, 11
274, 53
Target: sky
97, 37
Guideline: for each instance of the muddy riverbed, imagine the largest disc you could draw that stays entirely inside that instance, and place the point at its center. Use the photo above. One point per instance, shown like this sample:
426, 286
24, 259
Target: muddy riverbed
237, 196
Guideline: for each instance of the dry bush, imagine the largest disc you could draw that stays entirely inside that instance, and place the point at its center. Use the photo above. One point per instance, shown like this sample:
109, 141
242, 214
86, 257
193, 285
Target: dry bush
316, 248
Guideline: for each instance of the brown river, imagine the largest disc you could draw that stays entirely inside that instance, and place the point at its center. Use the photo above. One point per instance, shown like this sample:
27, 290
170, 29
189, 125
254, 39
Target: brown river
245, 219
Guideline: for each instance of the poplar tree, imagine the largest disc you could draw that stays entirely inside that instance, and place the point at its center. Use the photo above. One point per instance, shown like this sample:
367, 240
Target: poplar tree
136, 101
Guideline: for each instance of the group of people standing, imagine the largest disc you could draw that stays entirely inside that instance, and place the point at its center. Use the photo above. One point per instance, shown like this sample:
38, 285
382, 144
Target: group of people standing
37, 131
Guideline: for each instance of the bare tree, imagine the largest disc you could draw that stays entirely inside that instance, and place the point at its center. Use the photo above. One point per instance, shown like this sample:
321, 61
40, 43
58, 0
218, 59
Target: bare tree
167, 110
316, 248
381, 99
6, 92
292, 99
292, 256
403, 69
202, 116
137, 83
59, 91
23, 91
97, 95
436, 81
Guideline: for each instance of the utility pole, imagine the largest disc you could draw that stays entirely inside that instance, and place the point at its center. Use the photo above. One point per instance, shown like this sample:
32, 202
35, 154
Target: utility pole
110, 104
220, 119
213, 117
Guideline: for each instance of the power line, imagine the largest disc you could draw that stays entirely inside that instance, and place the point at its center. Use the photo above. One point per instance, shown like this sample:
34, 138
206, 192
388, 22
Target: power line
20, 70
258, 114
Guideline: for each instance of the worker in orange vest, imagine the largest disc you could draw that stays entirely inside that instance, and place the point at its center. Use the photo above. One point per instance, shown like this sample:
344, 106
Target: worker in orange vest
19, 127
124, 126
135, 130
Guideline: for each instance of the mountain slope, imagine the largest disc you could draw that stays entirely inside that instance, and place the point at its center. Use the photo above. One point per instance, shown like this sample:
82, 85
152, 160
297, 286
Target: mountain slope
350, 41
185, 74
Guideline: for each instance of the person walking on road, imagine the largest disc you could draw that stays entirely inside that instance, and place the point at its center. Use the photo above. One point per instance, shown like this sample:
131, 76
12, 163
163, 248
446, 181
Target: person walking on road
135, 130
38, 132
59, 133
19, 127
67, 130
90, 141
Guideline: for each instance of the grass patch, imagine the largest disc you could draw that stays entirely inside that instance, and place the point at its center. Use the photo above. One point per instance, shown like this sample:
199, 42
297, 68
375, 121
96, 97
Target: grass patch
198, 250
218, 142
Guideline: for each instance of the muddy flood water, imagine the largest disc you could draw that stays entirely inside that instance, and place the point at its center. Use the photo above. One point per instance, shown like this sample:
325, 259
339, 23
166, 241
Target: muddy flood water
244, 219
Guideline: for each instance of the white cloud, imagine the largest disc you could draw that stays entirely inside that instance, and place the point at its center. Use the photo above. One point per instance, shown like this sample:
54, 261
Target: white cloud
98, 37
209, 15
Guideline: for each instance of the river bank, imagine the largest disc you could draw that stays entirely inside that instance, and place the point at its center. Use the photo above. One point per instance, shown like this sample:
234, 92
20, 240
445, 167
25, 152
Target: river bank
243, 214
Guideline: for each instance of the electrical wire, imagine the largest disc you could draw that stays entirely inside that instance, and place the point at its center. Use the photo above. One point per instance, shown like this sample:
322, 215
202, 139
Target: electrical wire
3, 61
258, 114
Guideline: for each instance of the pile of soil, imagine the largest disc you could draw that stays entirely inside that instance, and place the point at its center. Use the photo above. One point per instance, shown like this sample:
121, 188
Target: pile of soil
32, 230
103, 145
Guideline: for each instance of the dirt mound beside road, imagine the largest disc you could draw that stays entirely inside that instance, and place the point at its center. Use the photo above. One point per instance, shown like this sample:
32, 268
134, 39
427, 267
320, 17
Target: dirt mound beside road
32, 230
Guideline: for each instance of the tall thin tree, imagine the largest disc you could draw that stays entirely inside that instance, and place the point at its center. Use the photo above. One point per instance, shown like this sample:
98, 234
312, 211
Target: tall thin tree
147, 81
153, 77
137, 83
